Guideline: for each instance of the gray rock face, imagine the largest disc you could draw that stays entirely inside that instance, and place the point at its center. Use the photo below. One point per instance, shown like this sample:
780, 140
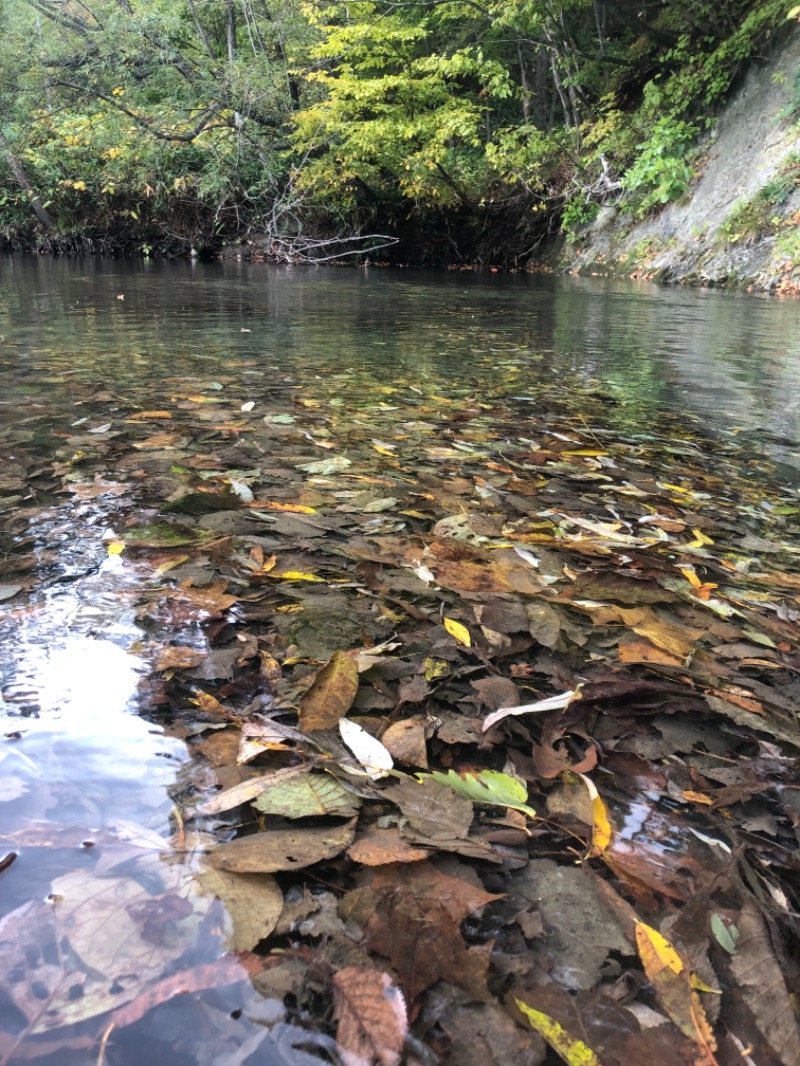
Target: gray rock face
744, 152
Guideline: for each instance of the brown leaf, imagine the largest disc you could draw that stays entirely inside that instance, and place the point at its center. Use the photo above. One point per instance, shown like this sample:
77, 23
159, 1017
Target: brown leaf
221, 748
282, 849
502, 616
763, 987
496, 692
641, 651
432, 808
372, 1017
413, 689
331, 694
253, 901
225, 971
377, 847
178, 657
416, 924
544, 623
405, 742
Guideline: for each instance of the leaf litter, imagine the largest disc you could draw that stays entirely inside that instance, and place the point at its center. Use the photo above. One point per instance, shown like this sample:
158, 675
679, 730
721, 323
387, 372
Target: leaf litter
503, 689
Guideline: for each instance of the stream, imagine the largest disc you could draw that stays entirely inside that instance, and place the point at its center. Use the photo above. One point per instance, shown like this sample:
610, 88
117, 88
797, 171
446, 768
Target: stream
94, 768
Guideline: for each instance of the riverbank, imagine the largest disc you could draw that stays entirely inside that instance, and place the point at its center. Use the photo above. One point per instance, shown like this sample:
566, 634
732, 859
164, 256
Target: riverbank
738, 225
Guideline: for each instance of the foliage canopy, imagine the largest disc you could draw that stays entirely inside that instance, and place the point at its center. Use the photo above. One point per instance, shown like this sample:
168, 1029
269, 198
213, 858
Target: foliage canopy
155, 125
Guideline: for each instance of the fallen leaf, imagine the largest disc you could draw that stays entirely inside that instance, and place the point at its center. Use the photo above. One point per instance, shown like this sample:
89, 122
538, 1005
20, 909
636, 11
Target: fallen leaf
550, 703
282, 849
601, 826
331, 694
306, 795
372, 1017
573, 1051
763, 987
672, 981
253, 902
373, 756
487, 786
228, 970
413, 917
376, 847
123, 934
405, 742
459, 631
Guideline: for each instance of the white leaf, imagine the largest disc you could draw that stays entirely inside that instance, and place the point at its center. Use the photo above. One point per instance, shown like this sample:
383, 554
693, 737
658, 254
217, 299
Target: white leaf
552, 703
372, 755
424, 574
335, 465
248, 406
529, 557
241, 490
102, 429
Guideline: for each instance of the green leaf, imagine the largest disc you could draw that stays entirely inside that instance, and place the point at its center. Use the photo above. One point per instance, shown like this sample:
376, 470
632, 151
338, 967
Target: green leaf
308, 795
725, 933
487, 786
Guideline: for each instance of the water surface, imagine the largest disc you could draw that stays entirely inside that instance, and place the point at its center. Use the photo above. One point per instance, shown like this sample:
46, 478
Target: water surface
83, 751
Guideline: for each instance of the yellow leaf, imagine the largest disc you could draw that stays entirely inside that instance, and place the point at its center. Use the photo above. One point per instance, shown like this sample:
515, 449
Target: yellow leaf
270, 505
295, 575
435, 668
116, 547
657, 947
209, 704
673, 984
601, 824
571, 1050
700, 540
384, 451
461, 633
691, 577
170, 564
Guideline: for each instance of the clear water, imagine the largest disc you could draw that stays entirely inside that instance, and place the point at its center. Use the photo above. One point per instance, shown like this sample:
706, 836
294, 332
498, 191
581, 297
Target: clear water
80, 753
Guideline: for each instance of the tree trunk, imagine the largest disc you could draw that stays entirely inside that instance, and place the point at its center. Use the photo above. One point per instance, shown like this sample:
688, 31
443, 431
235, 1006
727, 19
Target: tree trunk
21, 178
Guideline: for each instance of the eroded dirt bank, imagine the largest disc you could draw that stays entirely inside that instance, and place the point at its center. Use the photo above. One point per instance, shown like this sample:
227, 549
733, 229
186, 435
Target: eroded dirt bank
739, 225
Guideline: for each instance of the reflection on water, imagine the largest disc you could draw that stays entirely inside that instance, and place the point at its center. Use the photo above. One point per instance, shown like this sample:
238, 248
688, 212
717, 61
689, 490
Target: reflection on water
86, 782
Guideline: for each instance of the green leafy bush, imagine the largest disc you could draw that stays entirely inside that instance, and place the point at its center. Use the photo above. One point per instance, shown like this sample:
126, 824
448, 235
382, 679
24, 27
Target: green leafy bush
660, 173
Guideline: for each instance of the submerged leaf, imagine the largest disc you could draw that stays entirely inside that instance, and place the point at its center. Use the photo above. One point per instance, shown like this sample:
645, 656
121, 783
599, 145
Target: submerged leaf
335, 465
306, 795
282, 849
487, 786
331, 694
459, 631
573, 1051
372, 755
